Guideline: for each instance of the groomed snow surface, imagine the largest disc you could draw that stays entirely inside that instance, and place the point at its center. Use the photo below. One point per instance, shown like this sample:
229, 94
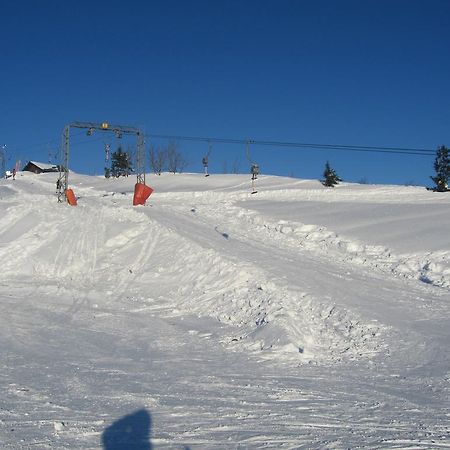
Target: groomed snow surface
299, 317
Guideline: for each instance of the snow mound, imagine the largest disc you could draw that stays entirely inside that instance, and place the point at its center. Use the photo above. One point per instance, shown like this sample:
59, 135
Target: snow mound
270, 317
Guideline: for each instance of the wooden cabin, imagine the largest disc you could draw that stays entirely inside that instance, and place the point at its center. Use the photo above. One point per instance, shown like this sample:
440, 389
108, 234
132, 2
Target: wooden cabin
38, 167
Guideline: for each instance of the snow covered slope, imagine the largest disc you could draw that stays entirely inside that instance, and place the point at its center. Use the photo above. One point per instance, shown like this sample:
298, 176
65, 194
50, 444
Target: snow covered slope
297, 317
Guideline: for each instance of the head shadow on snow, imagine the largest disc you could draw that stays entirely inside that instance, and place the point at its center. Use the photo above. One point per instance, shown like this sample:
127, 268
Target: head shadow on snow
131, 432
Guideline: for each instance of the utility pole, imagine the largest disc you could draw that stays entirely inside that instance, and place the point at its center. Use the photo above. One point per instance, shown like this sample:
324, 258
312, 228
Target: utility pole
3, 161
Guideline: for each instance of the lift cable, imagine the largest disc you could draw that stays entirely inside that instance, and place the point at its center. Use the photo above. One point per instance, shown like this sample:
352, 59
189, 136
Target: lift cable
22, 148
210, 140
247, 142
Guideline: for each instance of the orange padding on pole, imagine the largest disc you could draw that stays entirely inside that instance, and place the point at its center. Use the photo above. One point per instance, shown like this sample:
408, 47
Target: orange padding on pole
141, 193
71, 199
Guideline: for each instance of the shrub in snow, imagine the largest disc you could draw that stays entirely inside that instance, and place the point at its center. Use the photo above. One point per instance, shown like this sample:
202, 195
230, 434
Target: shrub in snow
442, 169
330, 176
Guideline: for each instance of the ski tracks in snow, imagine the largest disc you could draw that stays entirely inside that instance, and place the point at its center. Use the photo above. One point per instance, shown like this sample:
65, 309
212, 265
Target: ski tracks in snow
275, 275
255, 290
117, 295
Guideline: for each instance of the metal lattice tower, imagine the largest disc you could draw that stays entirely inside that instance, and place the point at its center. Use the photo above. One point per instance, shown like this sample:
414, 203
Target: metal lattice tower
63, 179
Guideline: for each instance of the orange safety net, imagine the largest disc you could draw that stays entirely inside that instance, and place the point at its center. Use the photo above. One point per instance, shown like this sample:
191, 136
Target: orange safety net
141, 193
71, 199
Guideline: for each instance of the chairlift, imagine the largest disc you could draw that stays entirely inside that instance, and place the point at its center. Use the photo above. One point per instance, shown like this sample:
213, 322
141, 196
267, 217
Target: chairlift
205, 159
254, 168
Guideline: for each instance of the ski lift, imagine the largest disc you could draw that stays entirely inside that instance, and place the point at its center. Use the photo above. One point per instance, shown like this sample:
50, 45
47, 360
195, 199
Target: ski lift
107, 151
254, 170
205, 159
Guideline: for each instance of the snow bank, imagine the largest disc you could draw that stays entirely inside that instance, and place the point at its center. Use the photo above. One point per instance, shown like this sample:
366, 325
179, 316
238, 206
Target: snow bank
299, 317
168, 252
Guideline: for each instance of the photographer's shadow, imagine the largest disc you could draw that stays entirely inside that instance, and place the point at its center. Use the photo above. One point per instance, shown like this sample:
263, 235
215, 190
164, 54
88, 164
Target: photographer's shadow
131, 432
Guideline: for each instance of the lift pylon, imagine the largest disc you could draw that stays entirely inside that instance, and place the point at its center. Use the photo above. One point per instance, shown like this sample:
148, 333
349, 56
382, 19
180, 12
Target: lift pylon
63, 180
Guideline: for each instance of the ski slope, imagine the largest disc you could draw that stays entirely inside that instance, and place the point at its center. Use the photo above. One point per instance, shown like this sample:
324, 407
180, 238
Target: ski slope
299, 317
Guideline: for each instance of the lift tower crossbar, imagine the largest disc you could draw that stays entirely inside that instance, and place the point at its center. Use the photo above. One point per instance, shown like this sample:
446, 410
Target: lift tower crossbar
118, 130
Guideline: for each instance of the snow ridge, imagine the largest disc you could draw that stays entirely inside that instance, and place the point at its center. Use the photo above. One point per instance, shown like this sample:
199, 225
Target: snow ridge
431, 267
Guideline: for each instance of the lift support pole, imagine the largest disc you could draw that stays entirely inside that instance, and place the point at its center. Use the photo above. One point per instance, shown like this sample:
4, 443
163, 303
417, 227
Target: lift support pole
118, 130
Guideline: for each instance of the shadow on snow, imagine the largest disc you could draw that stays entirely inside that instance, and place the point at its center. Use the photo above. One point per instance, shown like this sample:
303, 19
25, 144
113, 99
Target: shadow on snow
131, 432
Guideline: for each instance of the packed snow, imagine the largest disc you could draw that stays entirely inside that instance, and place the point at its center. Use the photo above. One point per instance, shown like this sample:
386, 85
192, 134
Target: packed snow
299, 317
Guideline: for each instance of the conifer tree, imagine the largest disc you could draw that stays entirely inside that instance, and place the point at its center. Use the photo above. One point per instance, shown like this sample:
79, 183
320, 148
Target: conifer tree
120, 164
442, 169
330, 176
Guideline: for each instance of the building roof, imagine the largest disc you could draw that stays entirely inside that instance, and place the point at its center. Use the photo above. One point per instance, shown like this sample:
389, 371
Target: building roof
43, 166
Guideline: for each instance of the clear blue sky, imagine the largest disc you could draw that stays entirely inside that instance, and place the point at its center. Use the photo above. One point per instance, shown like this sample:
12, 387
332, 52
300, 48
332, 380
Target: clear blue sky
357, 72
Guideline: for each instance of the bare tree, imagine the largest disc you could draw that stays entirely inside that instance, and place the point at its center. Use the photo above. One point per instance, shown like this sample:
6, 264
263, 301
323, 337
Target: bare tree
225, 167
158, 159
131, 152
176, 162
236, 165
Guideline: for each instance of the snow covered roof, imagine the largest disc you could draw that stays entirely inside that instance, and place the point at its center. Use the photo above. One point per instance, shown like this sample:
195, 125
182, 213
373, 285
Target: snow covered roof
43, 166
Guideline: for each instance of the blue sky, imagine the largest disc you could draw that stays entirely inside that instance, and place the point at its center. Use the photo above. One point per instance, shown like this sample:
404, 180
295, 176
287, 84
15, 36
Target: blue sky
367, 72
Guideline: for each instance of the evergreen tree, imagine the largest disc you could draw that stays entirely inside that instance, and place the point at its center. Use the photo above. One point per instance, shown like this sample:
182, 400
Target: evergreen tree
330, 176
120, 164
442, 169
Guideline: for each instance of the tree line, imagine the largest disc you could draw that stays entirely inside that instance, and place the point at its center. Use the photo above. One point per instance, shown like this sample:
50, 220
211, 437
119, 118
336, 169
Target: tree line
162, 158
169, 158
441, 166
